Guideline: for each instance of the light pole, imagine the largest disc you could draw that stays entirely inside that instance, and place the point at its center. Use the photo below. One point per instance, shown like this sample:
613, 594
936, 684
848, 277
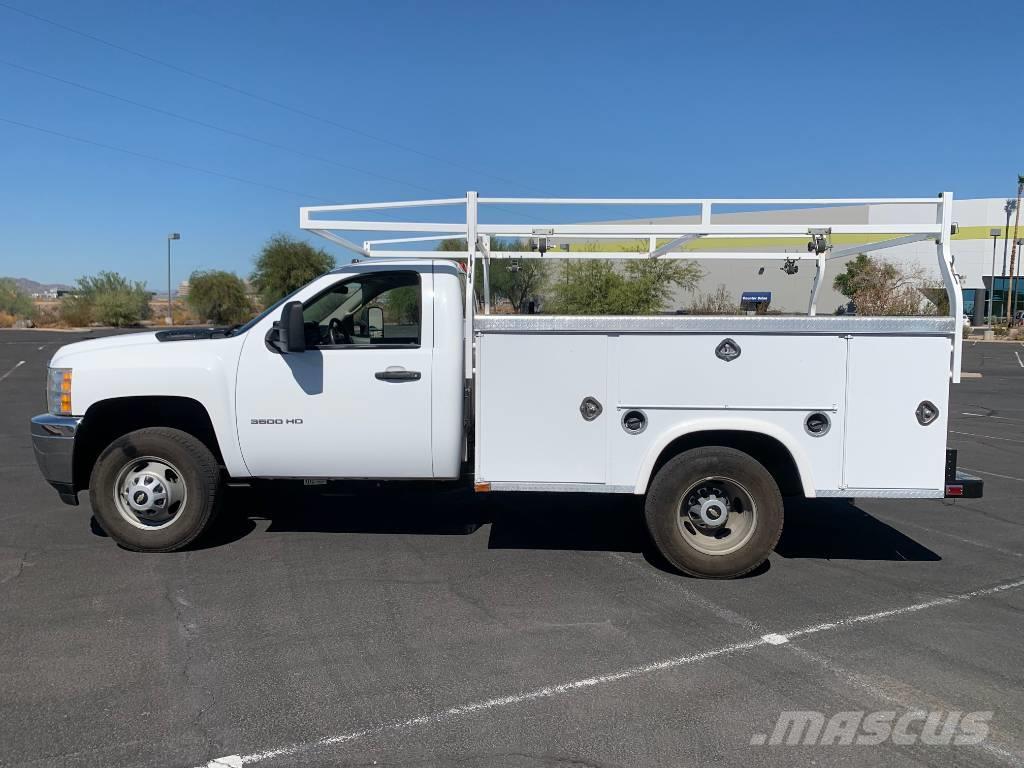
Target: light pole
994, 232
1009, 208
170, 310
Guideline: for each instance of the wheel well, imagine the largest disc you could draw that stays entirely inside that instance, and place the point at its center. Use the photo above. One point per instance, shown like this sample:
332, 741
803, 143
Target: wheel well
107, 420
771, 453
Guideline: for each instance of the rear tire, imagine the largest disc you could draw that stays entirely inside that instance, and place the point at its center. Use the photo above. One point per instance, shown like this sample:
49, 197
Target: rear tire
155, 489
714, 512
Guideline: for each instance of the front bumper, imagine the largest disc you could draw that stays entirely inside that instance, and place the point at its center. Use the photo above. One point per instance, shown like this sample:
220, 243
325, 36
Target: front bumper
53, 441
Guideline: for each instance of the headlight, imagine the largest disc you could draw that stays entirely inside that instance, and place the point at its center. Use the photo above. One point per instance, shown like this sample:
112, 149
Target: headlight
58, 391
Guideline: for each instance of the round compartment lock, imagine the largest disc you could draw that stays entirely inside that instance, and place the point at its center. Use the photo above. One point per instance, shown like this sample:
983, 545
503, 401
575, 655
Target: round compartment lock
590, 408
727, 350
634, 422
926, 413
817, 424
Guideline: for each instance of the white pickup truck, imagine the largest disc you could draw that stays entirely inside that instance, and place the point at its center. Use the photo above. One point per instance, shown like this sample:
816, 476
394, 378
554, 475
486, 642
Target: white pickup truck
377, 370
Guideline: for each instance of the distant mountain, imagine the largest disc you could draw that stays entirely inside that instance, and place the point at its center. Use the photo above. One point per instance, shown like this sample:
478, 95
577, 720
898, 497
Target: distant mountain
31, 286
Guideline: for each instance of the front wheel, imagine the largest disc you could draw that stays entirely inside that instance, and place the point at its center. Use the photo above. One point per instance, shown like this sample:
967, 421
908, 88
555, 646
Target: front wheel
155, 489
714, 512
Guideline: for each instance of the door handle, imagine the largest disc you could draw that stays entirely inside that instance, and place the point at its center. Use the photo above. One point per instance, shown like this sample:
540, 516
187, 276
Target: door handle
399, 375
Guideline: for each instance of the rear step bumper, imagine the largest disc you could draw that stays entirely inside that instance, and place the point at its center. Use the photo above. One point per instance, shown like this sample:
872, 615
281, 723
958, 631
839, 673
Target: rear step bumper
960, 484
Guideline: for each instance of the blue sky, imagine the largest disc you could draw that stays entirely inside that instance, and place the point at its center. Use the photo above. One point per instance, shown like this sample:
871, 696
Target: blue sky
594, 99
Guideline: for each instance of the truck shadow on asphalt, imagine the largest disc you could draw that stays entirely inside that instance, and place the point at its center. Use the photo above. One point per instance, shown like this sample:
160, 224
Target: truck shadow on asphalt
834, 529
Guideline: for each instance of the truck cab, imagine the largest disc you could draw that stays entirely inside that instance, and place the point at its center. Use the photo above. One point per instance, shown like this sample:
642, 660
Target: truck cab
374, 390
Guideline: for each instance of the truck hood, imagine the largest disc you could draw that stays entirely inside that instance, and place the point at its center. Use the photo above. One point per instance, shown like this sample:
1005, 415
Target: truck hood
103, 344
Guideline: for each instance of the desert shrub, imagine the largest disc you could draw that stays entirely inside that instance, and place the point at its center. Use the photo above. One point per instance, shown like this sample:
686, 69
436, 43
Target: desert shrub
108, 299
879, 287
48, 316
219, 297
75, 311
716, 302
183, 315
14, 301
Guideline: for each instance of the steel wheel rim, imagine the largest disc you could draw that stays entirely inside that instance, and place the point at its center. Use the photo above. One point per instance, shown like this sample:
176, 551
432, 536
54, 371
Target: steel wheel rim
150, 493
716, 515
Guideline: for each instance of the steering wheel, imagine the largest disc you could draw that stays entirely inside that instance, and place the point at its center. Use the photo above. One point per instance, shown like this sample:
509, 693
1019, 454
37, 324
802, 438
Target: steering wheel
336, 331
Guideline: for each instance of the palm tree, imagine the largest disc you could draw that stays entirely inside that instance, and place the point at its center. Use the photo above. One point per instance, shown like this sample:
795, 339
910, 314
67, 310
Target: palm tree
1009, 208
1013, 251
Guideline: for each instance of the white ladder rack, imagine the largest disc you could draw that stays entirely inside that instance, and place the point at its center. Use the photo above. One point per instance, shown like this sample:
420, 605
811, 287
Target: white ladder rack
320, 220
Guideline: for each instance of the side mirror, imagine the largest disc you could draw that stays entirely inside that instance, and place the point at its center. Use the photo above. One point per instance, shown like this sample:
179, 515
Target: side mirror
291, 333
375, 321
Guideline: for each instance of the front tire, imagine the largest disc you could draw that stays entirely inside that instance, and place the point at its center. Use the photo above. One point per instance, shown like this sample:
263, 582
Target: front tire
714, 512
155, 489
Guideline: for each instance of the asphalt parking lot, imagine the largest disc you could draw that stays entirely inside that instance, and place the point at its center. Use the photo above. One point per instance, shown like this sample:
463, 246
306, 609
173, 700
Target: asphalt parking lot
340, 627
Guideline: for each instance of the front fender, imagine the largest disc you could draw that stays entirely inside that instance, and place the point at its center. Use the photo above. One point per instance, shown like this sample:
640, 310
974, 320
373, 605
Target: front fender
203, 370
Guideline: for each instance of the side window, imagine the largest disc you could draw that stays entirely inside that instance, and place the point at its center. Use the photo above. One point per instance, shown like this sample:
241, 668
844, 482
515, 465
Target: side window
374, 309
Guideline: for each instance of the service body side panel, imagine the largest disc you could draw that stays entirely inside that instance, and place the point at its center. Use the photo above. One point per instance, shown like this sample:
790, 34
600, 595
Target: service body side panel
776, 381
530, 390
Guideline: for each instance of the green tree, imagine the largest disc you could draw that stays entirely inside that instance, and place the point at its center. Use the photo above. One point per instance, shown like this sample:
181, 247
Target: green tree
847, 282
587, 287
285, 264
516, 282
14, 301
401, 305
649, 283
639, 287
106, 298
452, 244
219, 297
879, 287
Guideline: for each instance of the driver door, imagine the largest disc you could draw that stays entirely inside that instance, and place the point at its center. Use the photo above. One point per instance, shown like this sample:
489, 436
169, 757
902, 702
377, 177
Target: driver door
356, 402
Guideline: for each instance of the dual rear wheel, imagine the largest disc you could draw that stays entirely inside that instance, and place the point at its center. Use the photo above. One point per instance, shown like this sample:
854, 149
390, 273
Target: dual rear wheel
714, 512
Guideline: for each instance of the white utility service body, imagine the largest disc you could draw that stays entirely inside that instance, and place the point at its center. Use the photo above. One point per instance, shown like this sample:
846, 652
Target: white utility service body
383, 369
867, 375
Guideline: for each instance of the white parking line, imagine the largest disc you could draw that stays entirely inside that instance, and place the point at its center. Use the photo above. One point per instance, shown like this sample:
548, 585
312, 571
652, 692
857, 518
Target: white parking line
16, 367
1019, 361
996, 418
463, 710
994, 474
992, 416
987, 437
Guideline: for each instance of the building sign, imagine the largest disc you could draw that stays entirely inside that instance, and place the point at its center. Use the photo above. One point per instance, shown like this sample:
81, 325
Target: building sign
756, 297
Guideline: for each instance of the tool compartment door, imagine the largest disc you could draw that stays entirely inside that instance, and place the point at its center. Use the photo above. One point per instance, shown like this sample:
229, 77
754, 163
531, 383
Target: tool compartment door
887, 379
530, 428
